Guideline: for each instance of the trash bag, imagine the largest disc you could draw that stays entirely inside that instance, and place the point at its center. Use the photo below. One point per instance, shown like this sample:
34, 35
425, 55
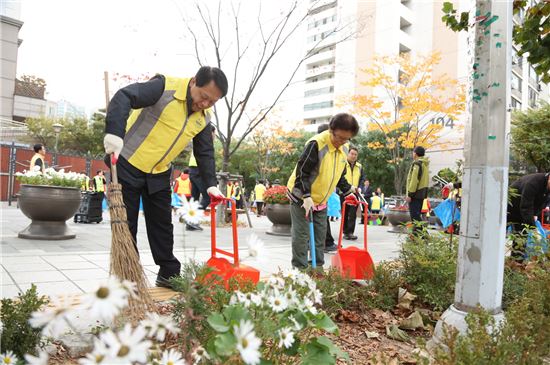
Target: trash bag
537, 241
447, 212
176, 201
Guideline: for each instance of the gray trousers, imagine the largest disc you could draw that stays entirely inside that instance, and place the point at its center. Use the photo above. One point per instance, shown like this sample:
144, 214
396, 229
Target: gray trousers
300, 236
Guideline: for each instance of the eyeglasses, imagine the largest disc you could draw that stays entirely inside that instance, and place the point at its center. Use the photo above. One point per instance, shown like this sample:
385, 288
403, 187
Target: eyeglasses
339, 138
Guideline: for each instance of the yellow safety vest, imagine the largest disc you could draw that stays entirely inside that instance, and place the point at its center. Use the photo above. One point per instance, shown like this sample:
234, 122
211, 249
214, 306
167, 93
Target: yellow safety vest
259, 191
85, 184
353, 174
184, 186
33, 162
331, 165
376, 202
98, 184
237, 192
157, 134
192, 160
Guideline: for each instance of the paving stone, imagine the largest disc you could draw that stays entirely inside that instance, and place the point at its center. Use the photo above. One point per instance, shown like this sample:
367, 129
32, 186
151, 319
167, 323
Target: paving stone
86, 274
43, 266
9, 291
37, 276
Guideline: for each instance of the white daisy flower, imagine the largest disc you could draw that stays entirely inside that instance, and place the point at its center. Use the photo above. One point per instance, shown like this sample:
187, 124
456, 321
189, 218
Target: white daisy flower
10, 358
291, 296
130, 287
107, 300
172, 357
302, 279
277, 302
100, 354
316, 295
52, 318
42, 358
199, 355
127, 346
157, 326
237, 297
276, 282
309, 306
254, 298
190, 212
286, 337
247, 342
256, 248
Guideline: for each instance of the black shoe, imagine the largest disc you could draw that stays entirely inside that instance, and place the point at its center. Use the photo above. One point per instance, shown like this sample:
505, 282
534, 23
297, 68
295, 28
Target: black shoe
352, 237
193, 227
163, 282
329, 249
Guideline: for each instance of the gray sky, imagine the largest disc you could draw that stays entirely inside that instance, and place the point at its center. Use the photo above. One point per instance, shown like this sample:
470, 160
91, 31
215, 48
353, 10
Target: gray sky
69, 43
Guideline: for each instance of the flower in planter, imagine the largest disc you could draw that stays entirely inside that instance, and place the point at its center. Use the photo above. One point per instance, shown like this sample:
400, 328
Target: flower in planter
126, 346
50, 177
247, 342
256, 248
286, 337
107, 300
276, 195
200, 354
52, 319
172, 357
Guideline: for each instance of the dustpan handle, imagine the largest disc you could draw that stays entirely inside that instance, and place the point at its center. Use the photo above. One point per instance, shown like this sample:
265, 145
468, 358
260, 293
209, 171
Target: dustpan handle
213, 246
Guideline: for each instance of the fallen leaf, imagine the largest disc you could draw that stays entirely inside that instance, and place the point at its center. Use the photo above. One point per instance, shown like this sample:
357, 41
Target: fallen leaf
405, 299
372, 334
392, 331
412, 322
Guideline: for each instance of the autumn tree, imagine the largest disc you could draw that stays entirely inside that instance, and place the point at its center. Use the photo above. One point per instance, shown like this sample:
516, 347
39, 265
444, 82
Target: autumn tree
405, 100
247, 48
531, 137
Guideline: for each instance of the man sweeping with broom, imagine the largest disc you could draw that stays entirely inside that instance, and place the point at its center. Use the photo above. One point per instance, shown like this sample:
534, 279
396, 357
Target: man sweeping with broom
147, 126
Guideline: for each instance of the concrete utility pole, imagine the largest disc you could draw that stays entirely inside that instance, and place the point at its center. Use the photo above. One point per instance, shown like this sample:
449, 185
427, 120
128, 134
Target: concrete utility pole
480, 268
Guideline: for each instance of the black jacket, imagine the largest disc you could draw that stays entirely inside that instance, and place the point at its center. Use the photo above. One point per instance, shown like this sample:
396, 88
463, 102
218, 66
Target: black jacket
533, 193
141, 95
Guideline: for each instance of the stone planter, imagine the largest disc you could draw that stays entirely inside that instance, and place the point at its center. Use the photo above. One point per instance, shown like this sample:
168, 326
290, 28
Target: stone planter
279, 215
398, 219
48, 207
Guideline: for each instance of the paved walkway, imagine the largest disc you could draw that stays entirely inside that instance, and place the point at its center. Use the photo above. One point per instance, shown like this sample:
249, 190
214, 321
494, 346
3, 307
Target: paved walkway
74, 266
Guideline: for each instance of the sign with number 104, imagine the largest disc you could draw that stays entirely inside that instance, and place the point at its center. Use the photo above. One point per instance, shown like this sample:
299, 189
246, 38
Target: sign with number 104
444, 121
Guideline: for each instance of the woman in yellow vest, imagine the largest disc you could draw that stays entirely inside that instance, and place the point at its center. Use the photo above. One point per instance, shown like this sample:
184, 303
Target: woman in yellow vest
147, 126
320, 169
182, 186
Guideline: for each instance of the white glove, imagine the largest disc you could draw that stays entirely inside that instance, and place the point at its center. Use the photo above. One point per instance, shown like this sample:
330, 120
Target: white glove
308, 205
354, 189
215, 192
359, 190
113, 144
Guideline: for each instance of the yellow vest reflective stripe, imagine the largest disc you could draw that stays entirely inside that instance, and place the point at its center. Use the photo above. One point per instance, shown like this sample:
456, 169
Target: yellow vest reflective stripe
157, 134
376, 203
326, 175
98, 183
192, 160
353, 174
33, 162
184, 186
85, 184
259, 191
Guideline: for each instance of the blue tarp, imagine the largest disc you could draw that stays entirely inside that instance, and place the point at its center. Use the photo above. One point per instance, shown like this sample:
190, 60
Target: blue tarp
536, 247
447, 212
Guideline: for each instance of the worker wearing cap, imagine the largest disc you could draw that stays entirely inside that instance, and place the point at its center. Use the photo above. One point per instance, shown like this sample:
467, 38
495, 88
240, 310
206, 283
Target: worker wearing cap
147, 126
417, 185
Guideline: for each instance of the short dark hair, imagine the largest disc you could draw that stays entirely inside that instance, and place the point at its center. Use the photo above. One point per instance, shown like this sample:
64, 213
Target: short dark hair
186, 171
205, 74
420, 151
37, 147
345, 122
98, 171
353, 148
322, 127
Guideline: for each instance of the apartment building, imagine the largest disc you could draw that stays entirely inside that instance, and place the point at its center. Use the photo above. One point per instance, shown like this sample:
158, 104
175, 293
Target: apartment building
393, 27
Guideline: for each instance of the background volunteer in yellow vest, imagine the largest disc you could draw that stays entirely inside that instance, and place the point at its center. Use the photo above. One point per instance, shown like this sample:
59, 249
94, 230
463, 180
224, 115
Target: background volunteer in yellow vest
39, 157
238, 195
147, 126
417, 185
356, 177
320, 169
85, 186
259, 191
98, 184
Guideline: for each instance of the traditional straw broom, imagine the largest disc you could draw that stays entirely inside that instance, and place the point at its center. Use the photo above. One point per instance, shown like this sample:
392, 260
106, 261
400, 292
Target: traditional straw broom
125, 262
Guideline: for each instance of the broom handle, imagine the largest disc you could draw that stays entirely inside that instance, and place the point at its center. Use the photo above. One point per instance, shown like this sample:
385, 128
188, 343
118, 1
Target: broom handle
114, 177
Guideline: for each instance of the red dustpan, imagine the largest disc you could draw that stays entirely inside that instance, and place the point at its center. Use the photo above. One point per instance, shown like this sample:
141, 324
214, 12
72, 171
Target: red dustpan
354, 262
222, 267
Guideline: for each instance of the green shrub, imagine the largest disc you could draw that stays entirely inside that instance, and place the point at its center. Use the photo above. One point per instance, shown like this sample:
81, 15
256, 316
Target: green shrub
385, 285
523, 338
515, 281
429, 268
200, 294
17, 334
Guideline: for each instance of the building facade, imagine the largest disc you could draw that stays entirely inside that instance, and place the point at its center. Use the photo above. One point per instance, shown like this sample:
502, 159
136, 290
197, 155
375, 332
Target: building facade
390, 28
9, 33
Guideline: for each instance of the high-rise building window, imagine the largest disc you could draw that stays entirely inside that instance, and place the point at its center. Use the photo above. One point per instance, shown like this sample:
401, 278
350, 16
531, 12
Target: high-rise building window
321, 91
321, 105
516, 82
532, 97
516, 104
